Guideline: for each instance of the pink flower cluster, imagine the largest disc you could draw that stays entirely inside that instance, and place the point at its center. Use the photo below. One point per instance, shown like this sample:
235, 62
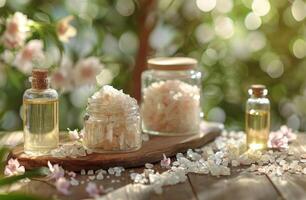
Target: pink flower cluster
61, 183
26, 55
281, 138
13, 167
16, 31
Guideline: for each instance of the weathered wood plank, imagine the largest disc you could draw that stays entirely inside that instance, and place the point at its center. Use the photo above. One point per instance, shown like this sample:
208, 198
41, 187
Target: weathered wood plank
292, 186
122, 189
237, 186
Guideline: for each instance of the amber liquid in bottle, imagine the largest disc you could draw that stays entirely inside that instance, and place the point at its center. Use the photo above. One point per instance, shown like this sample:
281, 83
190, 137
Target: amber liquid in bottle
257, 128
40, 116
40, 125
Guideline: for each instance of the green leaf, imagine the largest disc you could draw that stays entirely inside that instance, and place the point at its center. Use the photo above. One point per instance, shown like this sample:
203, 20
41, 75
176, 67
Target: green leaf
3, 156
29, 174
16, 196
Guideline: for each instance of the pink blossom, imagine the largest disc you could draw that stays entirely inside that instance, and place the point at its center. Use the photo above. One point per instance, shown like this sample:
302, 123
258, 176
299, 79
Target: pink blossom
277, 140
29, 55
61, 78
64, 30
288, 133
62, 185
281, 138
13, 168
56, 171
93, 190
165, 162
86, 71
16, 31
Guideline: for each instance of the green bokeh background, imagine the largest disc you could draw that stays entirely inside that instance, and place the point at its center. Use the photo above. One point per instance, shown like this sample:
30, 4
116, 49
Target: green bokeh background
271, 55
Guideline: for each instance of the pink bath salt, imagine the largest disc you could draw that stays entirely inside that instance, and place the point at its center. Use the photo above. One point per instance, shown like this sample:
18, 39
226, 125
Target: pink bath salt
171, 106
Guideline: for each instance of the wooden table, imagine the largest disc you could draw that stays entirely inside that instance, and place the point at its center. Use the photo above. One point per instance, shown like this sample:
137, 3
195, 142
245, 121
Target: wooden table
239, 185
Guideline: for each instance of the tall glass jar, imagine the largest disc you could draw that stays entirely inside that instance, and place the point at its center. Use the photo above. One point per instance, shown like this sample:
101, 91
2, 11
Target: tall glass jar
257, 117
171, 90
111, 131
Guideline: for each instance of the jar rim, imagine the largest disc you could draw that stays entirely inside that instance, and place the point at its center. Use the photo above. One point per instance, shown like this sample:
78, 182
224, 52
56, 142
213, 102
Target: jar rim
172, 63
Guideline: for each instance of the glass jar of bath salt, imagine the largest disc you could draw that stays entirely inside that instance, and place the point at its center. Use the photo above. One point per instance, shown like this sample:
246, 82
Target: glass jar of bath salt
171, 90
112, 122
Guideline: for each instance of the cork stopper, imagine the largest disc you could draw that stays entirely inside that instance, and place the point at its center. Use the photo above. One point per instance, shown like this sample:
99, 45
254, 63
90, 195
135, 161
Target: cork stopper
39, 79
172, 63
258, 90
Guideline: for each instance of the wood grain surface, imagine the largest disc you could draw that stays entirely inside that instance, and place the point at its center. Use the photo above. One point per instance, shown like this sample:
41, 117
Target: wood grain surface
150, 152
239, 185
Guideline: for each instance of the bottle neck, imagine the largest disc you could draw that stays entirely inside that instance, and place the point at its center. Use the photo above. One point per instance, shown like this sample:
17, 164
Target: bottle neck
39, 83
257, 96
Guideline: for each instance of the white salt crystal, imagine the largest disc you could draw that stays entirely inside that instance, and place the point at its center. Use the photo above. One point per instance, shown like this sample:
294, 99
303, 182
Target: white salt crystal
100, 176
110, 189
145, 137
74, 182
83, 172
90, 172
235, 163
149, 165
111, 171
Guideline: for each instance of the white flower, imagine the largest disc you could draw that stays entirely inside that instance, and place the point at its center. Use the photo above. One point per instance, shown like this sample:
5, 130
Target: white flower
86, 71
64, 30
13, 168
16, 31
57, 172
29, 55
62, 185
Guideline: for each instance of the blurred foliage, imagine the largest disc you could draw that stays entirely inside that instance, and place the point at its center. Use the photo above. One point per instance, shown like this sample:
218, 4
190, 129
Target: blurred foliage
237, 43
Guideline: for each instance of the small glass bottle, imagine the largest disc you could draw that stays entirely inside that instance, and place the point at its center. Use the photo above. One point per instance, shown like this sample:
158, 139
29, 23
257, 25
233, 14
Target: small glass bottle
257, 117
40, 115
171, 91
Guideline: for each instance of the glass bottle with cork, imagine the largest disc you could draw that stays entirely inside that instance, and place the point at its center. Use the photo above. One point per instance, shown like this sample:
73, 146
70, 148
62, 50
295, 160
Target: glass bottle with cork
257, 117
40, 115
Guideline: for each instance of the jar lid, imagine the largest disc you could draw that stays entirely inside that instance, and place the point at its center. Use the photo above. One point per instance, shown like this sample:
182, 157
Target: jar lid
172, 63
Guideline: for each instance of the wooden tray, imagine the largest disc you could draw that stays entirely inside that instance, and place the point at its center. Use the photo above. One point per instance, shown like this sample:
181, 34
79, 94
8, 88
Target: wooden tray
150, 152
